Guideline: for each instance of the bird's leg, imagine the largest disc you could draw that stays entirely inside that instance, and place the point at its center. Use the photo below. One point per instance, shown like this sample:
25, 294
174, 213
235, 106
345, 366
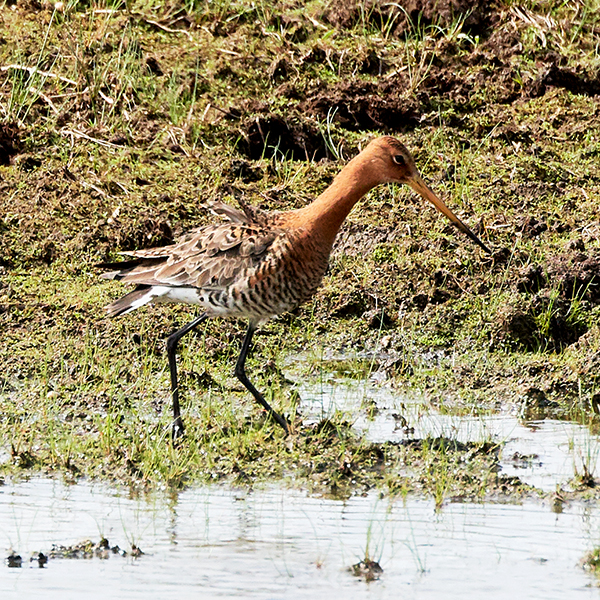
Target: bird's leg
172, 342
240, 373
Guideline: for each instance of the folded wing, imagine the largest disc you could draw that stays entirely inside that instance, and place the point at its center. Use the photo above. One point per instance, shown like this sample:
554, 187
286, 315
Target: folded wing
209, 257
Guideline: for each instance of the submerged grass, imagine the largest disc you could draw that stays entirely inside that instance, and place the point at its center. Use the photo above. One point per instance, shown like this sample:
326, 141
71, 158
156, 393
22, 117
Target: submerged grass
121, 122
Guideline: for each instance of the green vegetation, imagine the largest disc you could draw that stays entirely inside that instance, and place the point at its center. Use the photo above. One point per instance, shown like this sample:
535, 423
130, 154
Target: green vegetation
591, 561
121, 121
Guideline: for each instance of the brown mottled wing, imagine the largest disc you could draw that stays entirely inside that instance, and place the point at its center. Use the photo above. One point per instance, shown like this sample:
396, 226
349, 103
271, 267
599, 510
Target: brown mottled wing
209, 257
233, 214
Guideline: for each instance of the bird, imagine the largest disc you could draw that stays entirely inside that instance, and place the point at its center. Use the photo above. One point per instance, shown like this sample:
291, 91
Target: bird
258, 264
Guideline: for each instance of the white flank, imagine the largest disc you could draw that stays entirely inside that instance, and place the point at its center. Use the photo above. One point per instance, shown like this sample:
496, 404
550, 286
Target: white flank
147, 297
184, 295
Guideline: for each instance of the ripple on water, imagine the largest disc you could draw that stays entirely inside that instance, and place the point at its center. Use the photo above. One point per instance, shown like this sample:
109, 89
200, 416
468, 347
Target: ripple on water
281, 543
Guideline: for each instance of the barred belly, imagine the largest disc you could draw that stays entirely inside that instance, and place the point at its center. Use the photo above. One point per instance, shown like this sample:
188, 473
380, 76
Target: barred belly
272, 293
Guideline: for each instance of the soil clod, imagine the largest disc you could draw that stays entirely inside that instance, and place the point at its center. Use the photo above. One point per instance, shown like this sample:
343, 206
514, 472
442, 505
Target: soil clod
368, 569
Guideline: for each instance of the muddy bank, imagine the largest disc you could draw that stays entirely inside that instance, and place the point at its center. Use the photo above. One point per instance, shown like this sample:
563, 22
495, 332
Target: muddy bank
123, 141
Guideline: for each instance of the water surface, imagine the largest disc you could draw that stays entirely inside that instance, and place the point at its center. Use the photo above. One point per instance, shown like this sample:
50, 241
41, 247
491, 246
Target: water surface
274, 542
552, 452
280, 543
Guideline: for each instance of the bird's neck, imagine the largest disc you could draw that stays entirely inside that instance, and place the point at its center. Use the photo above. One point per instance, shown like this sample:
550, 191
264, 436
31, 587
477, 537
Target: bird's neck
324, 217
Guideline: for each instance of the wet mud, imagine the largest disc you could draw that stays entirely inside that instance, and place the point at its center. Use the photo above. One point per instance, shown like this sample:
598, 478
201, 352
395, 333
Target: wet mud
82, 550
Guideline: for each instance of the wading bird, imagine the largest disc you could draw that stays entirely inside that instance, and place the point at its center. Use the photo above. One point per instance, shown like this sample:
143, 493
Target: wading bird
261, 264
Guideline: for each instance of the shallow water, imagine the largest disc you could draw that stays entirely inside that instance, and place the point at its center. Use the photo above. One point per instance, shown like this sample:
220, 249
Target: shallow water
556, 450
279, 543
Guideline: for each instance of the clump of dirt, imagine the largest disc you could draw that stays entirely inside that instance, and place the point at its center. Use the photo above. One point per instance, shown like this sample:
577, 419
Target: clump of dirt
531, 279
399, 104
271, 135
368, 569
373, 64
545, 322
10, 142
576, 274
536, 406
531, 227
14, 560
556, 76
351, 303
357, 105
88, 549
515, 327
590, 371
243, 170
405, 16
562, 292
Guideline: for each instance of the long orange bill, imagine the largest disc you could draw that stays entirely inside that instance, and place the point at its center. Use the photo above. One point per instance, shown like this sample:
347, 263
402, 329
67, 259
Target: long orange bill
417, 184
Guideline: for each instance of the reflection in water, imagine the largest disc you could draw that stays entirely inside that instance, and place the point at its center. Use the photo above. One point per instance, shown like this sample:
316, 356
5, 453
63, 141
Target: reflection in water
279, 543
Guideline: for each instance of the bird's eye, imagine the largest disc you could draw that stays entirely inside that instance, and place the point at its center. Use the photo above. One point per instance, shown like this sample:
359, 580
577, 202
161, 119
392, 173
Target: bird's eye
399, 160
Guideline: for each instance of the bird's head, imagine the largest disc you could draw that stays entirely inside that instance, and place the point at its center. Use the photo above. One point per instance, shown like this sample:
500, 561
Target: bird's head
395, 164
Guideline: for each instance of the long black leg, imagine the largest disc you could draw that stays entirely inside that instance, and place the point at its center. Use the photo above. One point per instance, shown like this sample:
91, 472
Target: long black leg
172, 342
240, 373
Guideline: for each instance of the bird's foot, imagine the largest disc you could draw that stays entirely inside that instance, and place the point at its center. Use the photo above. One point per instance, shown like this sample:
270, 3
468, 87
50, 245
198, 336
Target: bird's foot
282, 421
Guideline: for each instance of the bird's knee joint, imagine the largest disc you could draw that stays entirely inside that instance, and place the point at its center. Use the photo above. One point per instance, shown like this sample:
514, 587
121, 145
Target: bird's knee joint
171, 343
240, 373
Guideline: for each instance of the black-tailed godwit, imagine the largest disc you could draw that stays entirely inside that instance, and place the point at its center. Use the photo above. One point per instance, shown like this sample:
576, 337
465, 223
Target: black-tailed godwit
261, 264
